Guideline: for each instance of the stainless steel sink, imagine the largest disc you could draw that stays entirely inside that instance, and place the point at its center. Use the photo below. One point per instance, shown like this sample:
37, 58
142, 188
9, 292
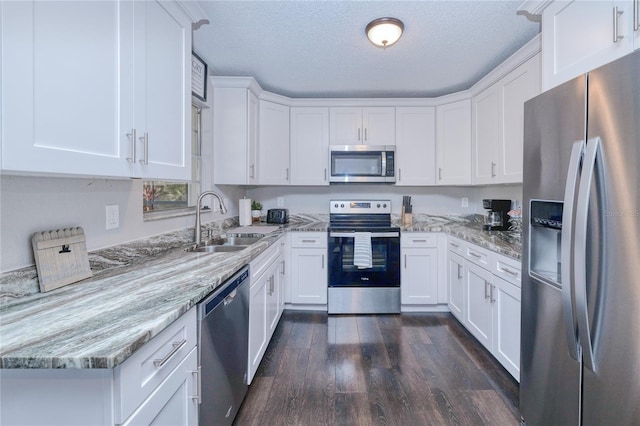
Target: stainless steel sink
223, 244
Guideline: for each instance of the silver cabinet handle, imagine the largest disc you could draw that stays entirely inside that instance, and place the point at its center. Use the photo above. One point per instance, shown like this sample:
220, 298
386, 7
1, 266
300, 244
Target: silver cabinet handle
589, 164
419, 241
477, 256
323, 261
307, 241
509, 271
455, 245
132, 136
405, 261
176, 347
325, 174
493, 169
358, 134
145, 149
636, 24
198, 385
491, 288
459, 271
486, 292
365, 133
439, 173
566, 244
252, 171
399, 174
283, 268
287, 173
616, 14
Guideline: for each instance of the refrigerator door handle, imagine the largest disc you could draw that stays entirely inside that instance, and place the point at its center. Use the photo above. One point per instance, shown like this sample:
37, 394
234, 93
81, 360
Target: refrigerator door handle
592, 152
567, 248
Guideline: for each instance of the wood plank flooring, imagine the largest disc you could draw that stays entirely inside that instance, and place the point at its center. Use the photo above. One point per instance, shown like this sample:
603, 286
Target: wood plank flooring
408, 369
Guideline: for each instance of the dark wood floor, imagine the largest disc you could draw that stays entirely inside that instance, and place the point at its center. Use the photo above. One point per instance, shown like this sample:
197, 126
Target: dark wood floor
409, 369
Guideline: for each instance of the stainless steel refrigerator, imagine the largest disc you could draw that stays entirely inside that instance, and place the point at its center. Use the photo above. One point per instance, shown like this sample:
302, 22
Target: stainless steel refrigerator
580, 344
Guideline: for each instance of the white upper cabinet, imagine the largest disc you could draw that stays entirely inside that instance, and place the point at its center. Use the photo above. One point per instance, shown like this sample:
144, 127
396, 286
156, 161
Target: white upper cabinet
96, 88
368, 125
498, 124
309, 146
580, 35
235, 135
415, 146
453, 143
273, 144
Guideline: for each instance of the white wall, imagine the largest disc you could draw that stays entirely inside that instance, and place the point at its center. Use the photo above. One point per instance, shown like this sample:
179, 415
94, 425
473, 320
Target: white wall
430, 200
33, 204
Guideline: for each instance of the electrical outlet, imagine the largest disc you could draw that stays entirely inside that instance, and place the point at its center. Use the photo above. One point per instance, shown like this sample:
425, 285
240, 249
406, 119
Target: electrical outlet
280, 202
464, 202
113, 216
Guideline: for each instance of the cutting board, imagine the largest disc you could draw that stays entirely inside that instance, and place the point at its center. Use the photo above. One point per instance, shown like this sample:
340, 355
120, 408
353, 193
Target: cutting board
61, 257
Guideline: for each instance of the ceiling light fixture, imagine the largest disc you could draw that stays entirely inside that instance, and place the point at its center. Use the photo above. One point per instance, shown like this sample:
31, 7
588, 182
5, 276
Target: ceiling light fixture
384, 32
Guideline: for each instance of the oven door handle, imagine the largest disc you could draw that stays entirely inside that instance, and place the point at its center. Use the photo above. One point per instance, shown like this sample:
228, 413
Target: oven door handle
373, 234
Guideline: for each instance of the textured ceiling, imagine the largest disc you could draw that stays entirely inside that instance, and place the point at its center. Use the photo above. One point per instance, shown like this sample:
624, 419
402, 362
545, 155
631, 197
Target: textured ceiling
319, 48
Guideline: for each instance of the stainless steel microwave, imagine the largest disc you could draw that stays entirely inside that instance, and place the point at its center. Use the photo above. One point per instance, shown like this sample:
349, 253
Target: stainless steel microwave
362, 163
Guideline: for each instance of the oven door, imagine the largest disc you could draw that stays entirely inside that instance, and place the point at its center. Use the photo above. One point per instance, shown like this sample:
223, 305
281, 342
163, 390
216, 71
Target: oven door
385, 256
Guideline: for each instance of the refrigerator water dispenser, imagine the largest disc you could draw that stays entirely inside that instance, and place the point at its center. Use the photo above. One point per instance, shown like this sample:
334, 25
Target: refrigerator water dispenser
545, 230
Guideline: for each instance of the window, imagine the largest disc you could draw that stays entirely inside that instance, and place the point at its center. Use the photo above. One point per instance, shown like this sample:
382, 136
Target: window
160, 195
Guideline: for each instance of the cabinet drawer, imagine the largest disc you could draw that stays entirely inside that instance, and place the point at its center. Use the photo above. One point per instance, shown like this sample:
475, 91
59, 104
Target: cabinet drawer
455, 245
477, 255
418, 240
508, 269
311, 240
261, 263
149, 366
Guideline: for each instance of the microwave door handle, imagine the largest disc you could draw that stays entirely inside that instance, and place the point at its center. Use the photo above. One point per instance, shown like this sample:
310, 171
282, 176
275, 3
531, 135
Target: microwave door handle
383, 166
567, 248
592, 152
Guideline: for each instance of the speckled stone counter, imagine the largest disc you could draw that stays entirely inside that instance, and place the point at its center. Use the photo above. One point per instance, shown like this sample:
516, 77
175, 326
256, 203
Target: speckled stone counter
139, 288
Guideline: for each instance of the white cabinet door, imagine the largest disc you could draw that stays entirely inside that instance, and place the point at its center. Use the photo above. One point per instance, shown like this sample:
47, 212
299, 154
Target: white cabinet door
273, 144
457, 293
356, 125
309, 146
345, 124
578, 36
487, 124
258, 339
415, 146
479, 318
506, 323
308, 276
235, 127
516, 88
379, 125
453, 143
162, 88
174, 402
419, 276
67, 87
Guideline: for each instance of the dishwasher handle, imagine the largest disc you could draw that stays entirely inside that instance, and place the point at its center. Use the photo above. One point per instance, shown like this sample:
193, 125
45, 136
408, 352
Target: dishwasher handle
225, 293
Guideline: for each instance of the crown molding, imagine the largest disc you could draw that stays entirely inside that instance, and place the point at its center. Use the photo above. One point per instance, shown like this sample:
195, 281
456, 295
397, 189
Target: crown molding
533, 9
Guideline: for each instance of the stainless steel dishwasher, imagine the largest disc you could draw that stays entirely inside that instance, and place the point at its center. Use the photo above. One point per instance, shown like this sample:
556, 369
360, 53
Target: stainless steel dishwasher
223, 345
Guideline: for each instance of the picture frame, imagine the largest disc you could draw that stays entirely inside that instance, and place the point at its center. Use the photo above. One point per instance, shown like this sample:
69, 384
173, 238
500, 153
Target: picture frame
199, 72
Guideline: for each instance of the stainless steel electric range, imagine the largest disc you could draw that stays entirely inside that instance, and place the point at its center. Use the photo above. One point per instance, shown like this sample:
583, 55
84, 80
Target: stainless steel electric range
361, 230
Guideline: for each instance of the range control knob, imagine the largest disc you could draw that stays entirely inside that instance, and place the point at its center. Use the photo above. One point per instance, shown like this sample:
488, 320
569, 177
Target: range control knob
342, 205
384, 205
335, 205
378, 205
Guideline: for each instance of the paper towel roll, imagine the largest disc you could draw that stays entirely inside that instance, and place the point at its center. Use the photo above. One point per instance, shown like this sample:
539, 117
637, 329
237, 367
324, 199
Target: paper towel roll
245, 212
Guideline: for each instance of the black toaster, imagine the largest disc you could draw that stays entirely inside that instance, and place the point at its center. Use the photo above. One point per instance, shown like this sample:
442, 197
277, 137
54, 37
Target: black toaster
278, 216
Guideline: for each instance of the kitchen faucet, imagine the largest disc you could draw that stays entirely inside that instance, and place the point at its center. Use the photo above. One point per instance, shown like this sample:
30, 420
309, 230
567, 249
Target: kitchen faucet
223, 210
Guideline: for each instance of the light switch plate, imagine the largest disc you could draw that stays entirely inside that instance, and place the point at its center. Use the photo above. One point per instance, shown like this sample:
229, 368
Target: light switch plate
464, 202
280, 202
113, 216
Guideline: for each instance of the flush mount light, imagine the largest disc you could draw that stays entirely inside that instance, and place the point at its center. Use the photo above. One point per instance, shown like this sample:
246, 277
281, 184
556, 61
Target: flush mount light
384, 32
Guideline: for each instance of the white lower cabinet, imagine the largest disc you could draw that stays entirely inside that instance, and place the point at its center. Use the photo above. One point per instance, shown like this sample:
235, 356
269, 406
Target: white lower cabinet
419, 271
265, 301
484, 295
456, 269
308, 279
156, 385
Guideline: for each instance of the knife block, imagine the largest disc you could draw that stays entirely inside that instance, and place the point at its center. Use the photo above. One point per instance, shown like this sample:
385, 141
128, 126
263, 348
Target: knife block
407, 218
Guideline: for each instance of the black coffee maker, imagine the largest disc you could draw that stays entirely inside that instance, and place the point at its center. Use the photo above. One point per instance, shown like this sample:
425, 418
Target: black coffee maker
496, 219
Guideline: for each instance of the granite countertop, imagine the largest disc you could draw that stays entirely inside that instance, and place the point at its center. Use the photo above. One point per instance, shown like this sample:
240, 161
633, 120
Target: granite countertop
139, 288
